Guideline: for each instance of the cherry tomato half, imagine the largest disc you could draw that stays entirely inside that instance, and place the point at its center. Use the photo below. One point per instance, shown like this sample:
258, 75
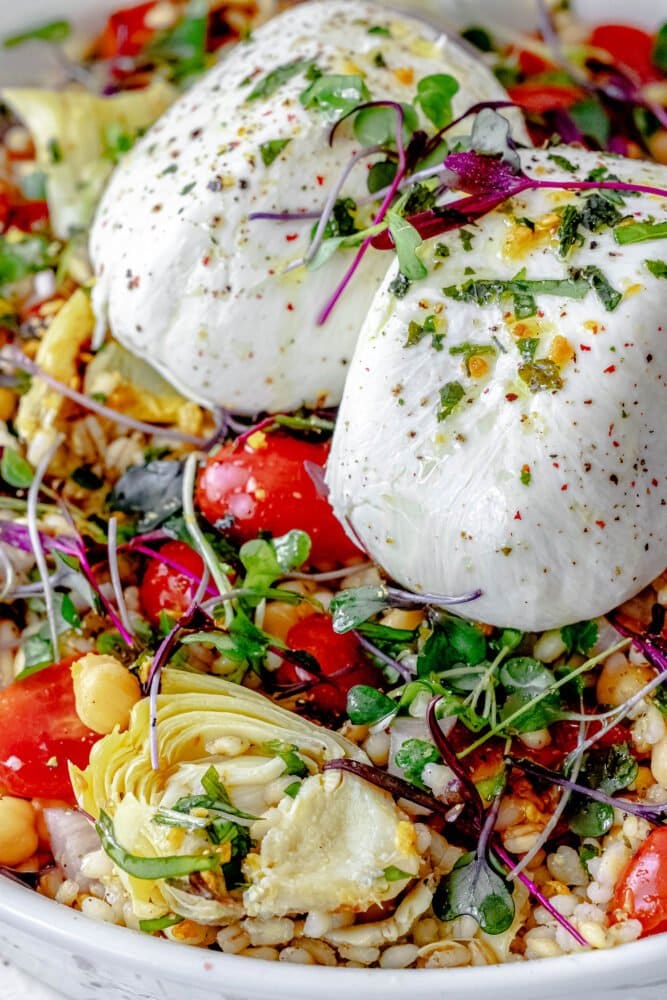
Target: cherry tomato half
538, 97
39, 733
642, 888
267, 488
341, 659
629, 47
126, 32
170, 582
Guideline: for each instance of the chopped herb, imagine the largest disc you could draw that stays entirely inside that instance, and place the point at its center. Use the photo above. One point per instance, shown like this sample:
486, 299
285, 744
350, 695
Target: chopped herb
276, 78
15, 470
482, 291
639, 232
366, 705
183, 46
589, 818
379, 29
54, 31
466, 238
400, 285
174, 866
117, 142
288, 753
355, 605
606, 293
24, 256
188, 188
525, 476
412, 758
562, 162
580, 637
342, 222
659, 54
272, 149
469, 350
599, 213
451, 395
658, 268
159, 923
527, 347
419, 199
379, 61
568, 230
335, 94
415, 334
441, 250
541, 375
434, 96
266, 561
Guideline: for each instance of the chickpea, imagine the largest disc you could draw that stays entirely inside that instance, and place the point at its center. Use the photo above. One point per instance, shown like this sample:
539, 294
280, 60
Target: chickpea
104, 692
18, 831
659, 761
620, 680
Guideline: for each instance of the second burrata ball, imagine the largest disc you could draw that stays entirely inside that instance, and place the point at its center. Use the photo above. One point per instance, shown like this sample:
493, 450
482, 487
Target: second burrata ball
187, 280
502, 426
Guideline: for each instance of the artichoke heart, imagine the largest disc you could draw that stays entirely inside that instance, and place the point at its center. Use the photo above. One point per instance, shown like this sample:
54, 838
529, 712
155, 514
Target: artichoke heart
227, 754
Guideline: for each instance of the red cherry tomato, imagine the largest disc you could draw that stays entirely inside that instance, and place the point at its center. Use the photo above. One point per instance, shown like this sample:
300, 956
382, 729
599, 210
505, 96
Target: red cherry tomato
642, 888
341, 659
531, 64
538, 97
267, 488
126, 32
564, 739
39, 733
165, 587
629, 47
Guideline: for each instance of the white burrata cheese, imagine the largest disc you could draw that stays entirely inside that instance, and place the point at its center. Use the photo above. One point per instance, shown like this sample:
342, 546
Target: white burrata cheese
551, 499
187, 281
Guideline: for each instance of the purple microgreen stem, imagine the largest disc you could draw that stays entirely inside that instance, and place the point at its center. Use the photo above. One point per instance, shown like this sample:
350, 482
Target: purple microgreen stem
653, 812
332, 574
466, 787
401, 669
406, 598
114, 572
386, 202
173, 564
540, 897
36, 542
397, 787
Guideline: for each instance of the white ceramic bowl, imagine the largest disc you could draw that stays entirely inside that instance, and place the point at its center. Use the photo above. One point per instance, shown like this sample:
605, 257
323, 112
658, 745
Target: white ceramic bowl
86, 960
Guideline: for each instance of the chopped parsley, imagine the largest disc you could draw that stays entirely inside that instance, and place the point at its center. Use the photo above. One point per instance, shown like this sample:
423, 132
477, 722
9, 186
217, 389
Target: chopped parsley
541, 375
525, 477
400, 285
466, 238
658, 268
562, 162
527, 347
606, 293
451, 395
483, 291
270, 150
54, 31
276, 78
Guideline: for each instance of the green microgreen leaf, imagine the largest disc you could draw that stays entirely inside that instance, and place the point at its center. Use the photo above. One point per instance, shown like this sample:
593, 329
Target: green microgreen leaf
266, 561
434, 96
270, 83
591, 118
640, 232
366, 705
335, 94
659, 54
658, 268
377, 126
541, 376
413, 756
15, 470
351, 607
451, 395
580, 637
475, 889
381, 175
406, 240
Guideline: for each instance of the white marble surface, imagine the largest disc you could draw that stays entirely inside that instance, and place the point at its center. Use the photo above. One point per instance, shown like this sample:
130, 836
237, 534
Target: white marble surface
17, 986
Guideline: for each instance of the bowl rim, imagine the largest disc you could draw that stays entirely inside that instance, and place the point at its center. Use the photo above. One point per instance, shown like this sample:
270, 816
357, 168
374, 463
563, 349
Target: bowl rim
34, 915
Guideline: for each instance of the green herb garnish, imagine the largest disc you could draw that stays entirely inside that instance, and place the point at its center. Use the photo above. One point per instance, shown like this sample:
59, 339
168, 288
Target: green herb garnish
15, 470
54, 31
640, 232
451, 395
270, 150
434, 96
174, 866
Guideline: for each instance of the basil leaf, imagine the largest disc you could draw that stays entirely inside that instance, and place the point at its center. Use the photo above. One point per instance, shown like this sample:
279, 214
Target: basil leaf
524, 679
335, 94
153, 490
272, 149
591, 118
434, 95
568, 231
406, 240
610, 769
640, 232
15, 470
475, 889
351, 607
54, 31
366, 705
606, 293
377, 126
173, 866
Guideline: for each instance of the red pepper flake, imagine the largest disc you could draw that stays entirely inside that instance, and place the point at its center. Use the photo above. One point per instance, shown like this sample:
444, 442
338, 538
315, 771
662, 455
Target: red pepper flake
654, 482
511, 396
320, 179
563, 488
588, 402
601, 524
517, 516
616, 444
291, 237
610, 370
206, 261
556, 465
584, 347
290, 307
610, 431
